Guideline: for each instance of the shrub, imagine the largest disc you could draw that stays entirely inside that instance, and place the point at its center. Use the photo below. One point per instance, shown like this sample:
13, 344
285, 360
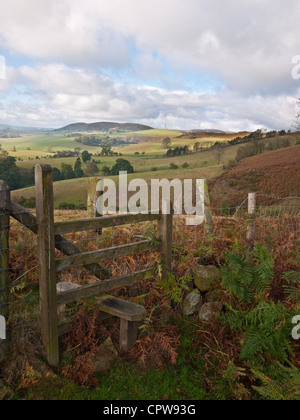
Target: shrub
66, 206
28, 203
173, 166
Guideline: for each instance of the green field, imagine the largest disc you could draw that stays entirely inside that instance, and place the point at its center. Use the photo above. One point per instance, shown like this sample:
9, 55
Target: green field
203, 164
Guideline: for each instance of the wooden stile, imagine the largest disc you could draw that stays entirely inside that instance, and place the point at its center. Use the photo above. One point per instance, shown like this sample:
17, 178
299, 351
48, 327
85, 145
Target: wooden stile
53, 296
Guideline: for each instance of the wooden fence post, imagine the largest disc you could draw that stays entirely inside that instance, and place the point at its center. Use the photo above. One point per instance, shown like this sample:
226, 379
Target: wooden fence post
4, 260
93, 196
165, 235
252, 198
47, 271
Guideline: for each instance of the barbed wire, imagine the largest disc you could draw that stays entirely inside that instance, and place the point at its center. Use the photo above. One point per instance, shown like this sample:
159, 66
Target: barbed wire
278, 198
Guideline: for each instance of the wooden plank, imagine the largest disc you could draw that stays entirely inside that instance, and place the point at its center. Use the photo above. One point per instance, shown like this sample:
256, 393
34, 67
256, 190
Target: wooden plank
104, 286
63, 287
46, 253
128, 334
74, 226
122, 309
103, 255
26, 218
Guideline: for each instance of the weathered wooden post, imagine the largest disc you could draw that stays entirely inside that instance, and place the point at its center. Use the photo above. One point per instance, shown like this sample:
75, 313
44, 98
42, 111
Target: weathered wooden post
252, 199
93, 196
165, 235
4, 263
47, 270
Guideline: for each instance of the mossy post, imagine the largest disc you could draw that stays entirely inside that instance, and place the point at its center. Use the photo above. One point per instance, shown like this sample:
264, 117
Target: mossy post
4, 259
252, 202
47, 270
208, 216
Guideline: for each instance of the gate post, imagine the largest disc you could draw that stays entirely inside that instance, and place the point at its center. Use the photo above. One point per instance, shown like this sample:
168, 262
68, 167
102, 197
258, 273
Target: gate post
47, 270
4, 264
165, 235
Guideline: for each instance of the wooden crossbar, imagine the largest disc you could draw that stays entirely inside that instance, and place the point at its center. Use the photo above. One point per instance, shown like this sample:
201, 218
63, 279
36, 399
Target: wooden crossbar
103, 255
74, 226
105, 286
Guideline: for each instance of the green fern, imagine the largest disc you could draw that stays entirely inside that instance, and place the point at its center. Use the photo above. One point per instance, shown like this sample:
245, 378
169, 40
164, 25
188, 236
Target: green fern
292, 290
287, 387
245, 274
174, 287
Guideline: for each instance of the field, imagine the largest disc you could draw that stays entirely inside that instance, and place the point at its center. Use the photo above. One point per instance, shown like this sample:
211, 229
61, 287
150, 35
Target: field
145, 156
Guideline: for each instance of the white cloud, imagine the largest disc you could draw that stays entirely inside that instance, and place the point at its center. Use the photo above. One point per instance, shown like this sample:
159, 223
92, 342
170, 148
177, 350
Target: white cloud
246, 46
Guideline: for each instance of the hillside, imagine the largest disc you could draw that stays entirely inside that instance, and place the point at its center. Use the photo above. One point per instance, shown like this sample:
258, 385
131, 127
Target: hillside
104, 126
214, 134
274, 173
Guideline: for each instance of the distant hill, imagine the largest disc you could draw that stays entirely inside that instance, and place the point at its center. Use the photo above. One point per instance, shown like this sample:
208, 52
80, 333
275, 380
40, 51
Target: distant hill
6, 127
208, 131
105, 127
274, 173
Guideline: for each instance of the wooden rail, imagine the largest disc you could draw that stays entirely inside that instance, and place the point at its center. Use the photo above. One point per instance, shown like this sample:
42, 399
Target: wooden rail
73, 226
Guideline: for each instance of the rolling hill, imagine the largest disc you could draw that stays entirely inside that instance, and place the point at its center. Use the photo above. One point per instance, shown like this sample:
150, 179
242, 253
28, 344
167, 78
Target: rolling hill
104, 126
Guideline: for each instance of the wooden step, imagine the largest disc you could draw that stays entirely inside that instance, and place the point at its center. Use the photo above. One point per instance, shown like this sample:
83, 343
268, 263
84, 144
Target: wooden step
130, 315
122, 309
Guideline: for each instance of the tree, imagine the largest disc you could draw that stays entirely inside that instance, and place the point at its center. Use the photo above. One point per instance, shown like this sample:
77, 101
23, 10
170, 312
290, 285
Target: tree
9, 171
77, 151
86, 156
57, 176
166, 143
219, 153
196, 146
107, 151
297, 118
78, 169
122, 165
91, 169
106, 171
67, 171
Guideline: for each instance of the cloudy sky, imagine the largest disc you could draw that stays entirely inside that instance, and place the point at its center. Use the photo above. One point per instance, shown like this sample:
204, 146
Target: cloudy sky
184, 64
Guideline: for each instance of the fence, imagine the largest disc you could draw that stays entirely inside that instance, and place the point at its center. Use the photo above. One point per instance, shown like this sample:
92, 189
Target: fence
28, 295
